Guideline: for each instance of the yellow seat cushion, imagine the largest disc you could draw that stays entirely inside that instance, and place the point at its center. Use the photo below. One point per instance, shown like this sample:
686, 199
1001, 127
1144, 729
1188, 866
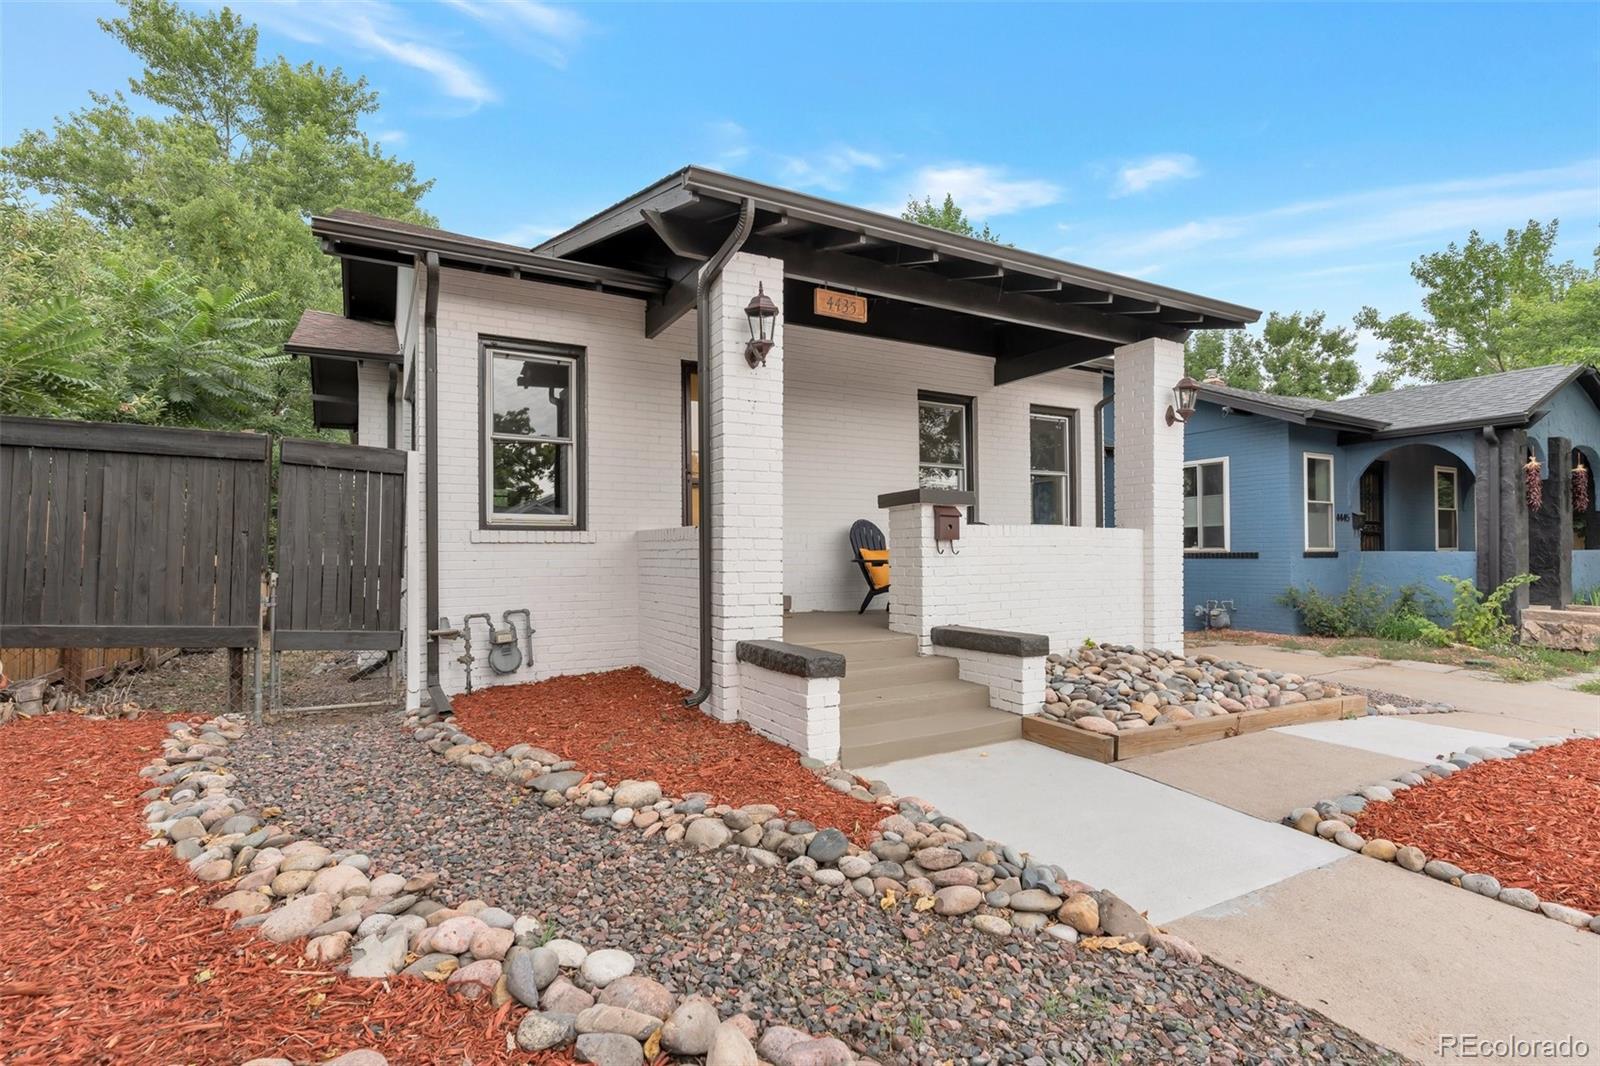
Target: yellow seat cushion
877, 560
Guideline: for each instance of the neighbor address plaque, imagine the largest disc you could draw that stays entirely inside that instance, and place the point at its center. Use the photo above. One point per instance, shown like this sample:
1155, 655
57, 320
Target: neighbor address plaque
843, 305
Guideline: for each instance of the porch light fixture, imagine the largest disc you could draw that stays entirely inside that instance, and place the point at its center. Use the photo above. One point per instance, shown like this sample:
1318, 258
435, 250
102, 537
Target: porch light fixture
1184, 395
763, 314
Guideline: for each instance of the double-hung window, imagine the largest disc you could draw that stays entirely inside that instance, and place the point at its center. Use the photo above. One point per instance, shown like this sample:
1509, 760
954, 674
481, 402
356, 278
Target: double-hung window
1205, 505
944, 442
1319, 502
532, 435
1446, 509
1052, 447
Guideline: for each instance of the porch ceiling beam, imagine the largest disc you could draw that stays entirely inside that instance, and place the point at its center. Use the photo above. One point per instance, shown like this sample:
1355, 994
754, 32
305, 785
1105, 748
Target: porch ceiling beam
1135, 307
921, 287
918, 259
603, 227
978, 272
1099, 299
1060, 357
1036, 285
661, 312
784, 226
679, 239
850, 242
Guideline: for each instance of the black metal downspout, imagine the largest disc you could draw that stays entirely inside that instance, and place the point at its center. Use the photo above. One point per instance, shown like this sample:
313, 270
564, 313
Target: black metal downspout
709, 272
1100, 462
430, 347
394, 418
1492, 439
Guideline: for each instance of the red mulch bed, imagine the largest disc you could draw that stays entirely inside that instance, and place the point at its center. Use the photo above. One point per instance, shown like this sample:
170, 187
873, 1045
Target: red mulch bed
108, 953
1533, 821
628, 724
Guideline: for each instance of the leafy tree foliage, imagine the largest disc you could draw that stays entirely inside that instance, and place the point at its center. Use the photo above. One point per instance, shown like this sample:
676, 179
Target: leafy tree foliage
1491, 306
42, 371
1294, 355
946, 216
197, 214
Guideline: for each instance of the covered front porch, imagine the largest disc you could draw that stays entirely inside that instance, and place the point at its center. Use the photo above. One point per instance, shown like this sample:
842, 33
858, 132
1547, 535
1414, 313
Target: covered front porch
907, 369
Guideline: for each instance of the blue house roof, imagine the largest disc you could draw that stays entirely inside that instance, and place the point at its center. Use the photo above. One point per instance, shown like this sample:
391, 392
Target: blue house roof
1515, 397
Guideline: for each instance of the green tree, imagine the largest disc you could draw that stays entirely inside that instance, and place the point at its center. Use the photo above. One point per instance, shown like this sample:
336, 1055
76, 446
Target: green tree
946, 216
1489, 306
1294, 355
42, 358
216, 178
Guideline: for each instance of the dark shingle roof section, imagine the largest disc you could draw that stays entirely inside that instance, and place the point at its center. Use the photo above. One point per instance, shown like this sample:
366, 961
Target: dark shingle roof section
1515, 396
323, 333
1481, 401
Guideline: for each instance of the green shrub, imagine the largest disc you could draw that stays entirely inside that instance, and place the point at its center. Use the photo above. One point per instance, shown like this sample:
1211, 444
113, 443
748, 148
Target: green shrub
1364, 610
1480, 620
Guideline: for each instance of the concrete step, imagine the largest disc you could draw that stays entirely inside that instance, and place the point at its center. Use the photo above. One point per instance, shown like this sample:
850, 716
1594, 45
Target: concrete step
880, 742
865, 674
912, 701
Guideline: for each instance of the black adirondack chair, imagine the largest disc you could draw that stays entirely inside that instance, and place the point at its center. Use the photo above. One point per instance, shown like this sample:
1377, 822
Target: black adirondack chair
866, 536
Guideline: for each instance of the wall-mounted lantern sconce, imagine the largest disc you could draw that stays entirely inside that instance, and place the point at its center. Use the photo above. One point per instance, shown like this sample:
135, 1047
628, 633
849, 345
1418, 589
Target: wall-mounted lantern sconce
763, 315
1184, 395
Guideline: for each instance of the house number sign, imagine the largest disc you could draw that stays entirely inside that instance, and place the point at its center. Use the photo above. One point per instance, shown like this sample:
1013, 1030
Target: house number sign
843, 305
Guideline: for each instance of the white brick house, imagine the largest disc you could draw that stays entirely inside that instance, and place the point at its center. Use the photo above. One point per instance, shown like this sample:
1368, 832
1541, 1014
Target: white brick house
981, 371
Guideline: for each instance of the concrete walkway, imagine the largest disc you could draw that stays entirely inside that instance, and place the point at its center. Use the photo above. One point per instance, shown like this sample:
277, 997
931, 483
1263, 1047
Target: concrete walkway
1163, 850
1419, 738
1532, 708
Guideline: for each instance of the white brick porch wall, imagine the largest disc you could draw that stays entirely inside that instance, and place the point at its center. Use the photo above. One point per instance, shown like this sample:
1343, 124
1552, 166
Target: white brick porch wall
669, 604
850, 435
1149, 482
372, 405
800, 712
1016, 682
1067, 583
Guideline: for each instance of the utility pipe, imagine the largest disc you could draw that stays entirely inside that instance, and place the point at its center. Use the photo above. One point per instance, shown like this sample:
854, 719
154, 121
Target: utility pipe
710, 270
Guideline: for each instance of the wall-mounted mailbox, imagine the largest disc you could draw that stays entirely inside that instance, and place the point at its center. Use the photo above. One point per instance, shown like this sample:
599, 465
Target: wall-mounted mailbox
946, 522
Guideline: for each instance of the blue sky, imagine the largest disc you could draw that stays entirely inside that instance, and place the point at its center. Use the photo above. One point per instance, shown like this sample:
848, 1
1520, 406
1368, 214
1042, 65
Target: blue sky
1285, 157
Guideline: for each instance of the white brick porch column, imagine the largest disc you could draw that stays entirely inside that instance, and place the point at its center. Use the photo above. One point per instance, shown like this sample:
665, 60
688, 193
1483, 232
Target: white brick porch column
1149, 488
746, 448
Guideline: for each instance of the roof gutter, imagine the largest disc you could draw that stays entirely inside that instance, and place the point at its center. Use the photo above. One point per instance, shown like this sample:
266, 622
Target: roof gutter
430, 347
709, 272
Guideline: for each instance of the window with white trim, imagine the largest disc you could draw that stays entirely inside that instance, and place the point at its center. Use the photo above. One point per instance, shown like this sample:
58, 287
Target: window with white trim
1205, 505
943, 444
1446, 509
1052, 446
1319, 502
531, 428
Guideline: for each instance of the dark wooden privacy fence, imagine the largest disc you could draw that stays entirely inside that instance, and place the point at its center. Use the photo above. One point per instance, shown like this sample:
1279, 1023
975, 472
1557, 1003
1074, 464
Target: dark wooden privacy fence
341, 557
119, 535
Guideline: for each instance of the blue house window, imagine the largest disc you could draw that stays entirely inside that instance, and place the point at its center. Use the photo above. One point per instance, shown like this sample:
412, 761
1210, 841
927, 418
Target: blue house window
1319, 503
1205, 505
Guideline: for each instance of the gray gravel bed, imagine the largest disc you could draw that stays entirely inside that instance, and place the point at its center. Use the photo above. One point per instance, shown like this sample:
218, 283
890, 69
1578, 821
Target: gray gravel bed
906, 987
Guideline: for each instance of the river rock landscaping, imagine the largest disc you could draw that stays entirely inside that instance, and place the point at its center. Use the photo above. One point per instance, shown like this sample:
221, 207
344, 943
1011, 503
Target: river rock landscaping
1110, 688
912, 950
1520, 824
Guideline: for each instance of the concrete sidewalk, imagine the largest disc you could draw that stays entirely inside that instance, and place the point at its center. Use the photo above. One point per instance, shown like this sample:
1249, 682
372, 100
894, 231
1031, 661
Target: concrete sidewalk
1163, 850
1403, 959
1526, 709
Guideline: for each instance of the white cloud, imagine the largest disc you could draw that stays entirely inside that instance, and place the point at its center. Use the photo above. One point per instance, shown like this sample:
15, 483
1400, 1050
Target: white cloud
527, 234
374, 26
1141, 175
390, 138
982, 191
1392, 217
544, 30
730, 144
831, 169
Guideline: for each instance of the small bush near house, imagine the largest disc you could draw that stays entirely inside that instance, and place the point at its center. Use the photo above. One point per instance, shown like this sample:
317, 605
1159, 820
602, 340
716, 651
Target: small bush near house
1589, 598
1365, 610
1480, 620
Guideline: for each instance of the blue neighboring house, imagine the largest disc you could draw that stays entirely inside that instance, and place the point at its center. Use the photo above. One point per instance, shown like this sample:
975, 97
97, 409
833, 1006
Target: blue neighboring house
1398, 487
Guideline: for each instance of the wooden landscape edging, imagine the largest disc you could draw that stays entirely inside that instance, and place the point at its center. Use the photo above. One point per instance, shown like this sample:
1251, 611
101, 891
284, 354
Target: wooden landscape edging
1105, 748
